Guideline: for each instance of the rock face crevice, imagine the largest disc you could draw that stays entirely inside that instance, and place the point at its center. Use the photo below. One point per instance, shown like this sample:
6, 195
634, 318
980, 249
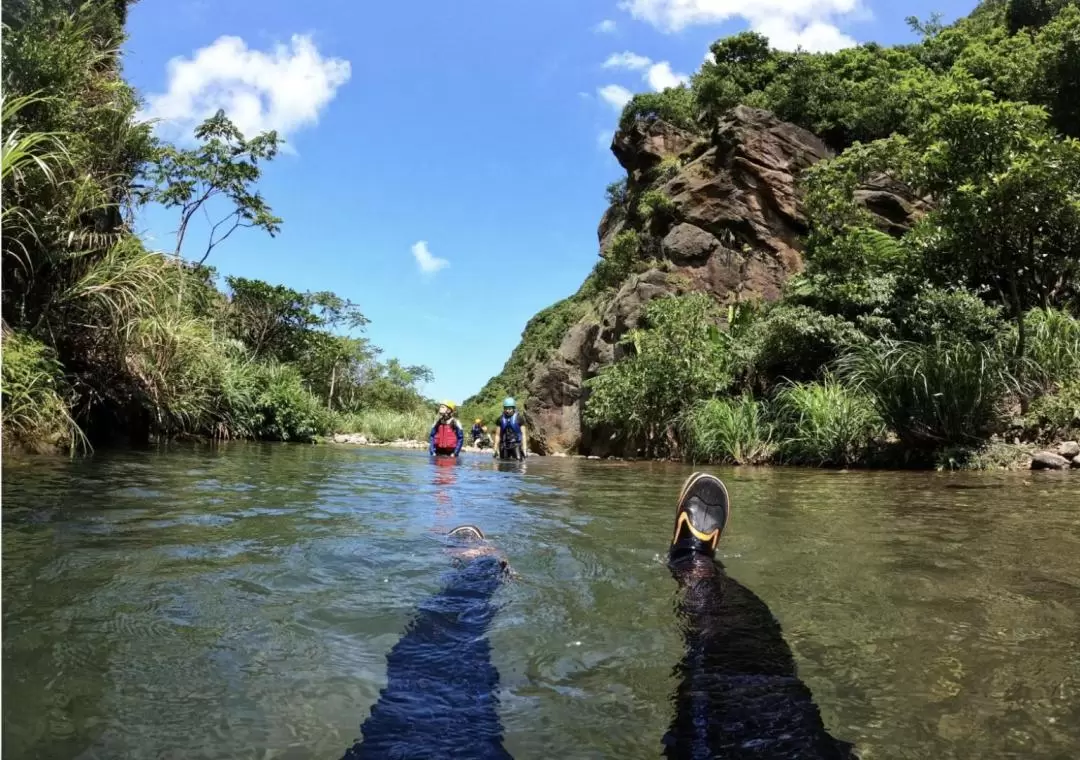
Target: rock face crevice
734, 230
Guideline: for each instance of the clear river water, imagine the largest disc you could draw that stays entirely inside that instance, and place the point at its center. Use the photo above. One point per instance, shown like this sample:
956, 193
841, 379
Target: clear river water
240, 601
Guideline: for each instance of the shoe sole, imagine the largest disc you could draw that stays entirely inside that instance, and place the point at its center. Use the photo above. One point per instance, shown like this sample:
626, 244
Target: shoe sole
463, 531
681, 518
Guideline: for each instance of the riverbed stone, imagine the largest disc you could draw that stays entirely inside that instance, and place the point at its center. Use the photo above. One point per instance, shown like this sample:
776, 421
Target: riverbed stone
1069, 449
1048, 460
354, 438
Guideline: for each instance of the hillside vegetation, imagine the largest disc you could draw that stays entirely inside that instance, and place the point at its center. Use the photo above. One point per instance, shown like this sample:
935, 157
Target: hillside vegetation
104, 339
916, 345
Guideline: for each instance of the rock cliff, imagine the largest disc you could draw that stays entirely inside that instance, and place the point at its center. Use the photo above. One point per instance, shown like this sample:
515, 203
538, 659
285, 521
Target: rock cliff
732, 227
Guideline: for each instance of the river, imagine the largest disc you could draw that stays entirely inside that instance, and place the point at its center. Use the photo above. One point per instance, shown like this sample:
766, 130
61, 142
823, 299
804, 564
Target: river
239, 601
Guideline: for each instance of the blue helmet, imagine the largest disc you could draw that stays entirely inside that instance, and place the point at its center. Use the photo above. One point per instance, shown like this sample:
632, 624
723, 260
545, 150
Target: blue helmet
509, 401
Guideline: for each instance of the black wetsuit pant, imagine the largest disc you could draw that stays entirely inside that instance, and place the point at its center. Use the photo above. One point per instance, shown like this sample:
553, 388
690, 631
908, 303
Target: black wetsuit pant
440, 697
738, 695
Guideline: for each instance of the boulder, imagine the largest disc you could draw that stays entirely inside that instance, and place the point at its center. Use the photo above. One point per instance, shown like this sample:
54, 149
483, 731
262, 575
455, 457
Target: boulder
1048, 460
1069, 449
687, 244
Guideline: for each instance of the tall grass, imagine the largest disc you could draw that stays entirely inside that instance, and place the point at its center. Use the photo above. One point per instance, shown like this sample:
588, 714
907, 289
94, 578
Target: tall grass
825, 423
734, 431
1053, 348
33, 390
932, 395
380, 426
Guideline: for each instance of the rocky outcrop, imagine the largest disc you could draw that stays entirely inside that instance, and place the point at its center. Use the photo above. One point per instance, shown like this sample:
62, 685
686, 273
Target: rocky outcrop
734, 230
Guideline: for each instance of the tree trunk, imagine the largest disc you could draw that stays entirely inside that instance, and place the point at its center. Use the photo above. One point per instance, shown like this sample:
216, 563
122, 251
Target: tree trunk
1021, 344
330, 395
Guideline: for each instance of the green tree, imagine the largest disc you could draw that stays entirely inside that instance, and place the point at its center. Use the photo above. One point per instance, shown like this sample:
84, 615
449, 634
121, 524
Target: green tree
225, 165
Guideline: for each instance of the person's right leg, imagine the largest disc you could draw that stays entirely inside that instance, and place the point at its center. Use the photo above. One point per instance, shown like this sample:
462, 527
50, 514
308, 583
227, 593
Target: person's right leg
440, 698
739, 695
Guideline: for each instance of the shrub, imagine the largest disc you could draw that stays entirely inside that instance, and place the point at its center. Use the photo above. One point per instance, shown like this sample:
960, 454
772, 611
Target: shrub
734, 431
678, 356
35, 413
933, 395
616, 192
655, 204
1057, 413
619, 261
825, 423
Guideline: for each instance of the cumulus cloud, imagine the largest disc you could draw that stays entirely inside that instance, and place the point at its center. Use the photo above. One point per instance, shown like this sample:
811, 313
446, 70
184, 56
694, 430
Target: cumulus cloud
428, 262
607, 26
284, 89
626, 60
658, 75
615, 95
787, 23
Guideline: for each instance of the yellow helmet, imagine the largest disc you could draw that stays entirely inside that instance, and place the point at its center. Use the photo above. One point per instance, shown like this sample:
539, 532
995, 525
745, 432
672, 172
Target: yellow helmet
450, 405
477, 420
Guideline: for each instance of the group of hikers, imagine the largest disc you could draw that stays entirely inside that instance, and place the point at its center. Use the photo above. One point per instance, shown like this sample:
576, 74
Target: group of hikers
447, 436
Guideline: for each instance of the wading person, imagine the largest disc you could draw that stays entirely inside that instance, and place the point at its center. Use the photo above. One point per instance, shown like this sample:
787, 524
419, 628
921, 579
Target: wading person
447, 436
738, 696
510, 440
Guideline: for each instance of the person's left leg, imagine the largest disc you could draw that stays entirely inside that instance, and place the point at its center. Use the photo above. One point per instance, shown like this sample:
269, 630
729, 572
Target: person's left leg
440, 699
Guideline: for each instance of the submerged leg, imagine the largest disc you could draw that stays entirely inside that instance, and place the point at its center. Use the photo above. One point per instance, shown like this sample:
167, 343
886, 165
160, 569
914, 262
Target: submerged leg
739, 695
439, 699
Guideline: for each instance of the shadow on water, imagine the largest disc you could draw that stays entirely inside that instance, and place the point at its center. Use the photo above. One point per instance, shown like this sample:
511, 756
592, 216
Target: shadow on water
242, 601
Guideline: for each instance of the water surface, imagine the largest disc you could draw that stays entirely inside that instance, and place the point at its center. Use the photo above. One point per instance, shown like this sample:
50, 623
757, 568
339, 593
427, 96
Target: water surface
239, 602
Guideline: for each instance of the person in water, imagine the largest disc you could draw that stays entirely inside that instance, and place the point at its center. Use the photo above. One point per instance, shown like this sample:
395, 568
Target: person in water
447, 436
738, 694
510, 440
480, 437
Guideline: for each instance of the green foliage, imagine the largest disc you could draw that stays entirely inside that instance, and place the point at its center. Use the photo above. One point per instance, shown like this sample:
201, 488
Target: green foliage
655, 204
145, 341
620, 261
1053, 352
668, 167
795, 342
34, 396
677, 357
1056, 413
616, 193
225, 165
933, 395
674, 105
727, 431
825, 423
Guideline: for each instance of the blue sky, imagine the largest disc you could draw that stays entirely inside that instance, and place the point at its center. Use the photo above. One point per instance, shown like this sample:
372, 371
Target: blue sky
466, 138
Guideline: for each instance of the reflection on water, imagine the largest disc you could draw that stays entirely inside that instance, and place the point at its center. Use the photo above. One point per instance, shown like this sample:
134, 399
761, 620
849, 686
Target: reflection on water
240, 602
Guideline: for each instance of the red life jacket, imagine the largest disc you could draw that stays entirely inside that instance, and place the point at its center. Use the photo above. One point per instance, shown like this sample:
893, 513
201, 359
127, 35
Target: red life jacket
445, 436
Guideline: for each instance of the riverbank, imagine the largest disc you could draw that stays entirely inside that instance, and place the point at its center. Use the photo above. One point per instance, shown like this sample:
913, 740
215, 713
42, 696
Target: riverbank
1064, 455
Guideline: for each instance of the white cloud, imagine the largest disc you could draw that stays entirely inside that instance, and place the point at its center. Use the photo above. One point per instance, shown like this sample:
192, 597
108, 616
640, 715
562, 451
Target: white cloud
787, 23
428, 262
284, 89
660, 76
616, 95
626, 60
607, 26
816, 37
